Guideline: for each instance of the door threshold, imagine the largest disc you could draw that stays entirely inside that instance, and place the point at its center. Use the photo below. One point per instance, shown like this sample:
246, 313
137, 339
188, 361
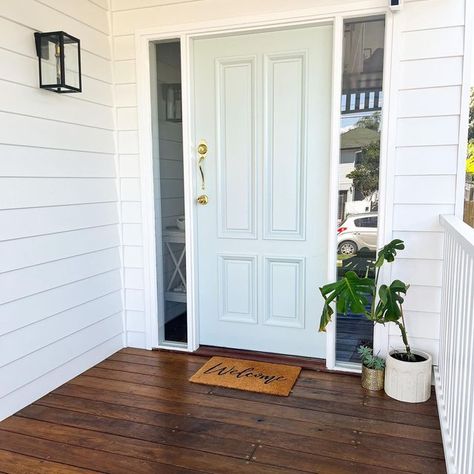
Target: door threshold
308, 363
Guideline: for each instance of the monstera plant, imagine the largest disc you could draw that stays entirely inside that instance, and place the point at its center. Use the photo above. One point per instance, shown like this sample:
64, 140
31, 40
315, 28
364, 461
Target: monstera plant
363, 295
407, 372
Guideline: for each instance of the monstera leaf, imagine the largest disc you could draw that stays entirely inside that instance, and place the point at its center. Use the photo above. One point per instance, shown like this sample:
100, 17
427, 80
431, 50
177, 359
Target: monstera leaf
390, 301
350, 294
389, 252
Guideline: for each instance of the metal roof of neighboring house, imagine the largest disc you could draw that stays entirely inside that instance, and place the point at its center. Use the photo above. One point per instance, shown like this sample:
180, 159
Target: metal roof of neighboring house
358, 137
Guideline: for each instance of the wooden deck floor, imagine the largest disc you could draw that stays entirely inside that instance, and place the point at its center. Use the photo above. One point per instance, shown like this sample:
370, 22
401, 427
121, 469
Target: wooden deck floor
137, 413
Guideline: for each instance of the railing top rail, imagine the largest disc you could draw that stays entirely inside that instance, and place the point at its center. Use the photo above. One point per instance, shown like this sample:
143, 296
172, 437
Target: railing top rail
458, 229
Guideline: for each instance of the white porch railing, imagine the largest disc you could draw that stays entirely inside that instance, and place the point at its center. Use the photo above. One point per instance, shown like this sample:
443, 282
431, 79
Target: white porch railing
454, 374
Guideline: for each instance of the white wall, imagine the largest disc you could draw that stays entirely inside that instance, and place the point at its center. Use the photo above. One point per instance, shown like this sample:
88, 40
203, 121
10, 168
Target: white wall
423, 135
428, 82
60, 266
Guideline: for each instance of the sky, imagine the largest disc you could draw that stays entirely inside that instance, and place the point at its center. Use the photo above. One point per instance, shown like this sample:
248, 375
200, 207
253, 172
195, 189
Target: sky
348, 121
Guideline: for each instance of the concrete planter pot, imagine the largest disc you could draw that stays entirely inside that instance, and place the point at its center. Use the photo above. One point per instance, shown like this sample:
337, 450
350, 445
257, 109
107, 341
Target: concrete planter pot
408, 381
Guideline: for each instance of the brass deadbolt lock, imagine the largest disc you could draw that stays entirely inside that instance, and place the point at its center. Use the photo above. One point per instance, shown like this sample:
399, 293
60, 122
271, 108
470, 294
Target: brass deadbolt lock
202, 199
202, 148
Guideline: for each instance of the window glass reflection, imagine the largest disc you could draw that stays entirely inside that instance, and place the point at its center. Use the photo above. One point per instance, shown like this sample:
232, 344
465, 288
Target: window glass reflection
361, 105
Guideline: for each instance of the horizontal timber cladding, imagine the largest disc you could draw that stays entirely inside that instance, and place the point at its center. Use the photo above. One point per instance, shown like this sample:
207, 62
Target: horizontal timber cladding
428, 110
60, 270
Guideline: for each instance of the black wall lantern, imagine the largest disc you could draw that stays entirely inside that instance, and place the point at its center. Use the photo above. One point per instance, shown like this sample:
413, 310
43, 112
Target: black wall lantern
59, 56
172, 97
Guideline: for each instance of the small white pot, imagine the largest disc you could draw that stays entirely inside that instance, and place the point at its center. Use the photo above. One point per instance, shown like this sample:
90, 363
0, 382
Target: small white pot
408, 381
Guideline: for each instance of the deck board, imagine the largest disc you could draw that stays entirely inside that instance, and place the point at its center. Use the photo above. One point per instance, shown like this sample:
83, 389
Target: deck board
136, 412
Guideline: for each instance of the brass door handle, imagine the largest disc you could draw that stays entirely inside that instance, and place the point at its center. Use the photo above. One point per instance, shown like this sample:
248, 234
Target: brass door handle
203, 181
202, 152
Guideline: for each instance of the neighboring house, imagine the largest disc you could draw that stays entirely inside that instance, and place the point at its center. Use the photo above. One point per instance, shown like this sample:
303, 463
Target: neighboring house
82, 270
351, 200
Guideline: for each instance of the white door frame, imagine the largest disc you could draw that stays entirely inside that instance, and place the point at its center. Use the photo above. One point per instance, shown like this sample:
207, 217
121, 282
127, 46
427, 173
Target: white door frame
186, 33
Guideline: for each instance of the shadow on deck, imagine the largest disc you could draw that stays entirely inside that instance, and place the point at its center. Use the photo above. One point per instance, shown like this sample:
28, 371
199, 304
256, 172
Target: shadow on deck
136, 413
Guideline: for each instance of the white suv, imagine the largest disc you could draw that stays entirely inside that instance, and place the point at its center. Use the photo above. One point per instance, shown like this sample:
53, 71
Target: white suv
356, 232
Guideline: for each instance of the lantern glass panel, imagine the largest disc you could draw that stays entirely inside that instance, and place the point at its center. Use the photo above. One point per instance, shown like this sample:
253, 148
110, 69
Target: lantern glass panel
71, 62
50, 59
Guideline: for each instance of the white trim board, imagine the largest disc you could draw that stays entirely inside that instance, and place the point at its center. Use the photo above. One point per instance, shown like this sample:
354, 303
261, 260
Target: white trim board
185, 33
387, 161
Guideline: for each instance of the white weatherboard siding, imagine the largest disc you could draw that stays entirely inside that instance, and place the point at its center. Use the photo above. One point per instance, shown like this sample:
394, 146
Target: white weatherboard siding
423, 134
60, 265
428, 85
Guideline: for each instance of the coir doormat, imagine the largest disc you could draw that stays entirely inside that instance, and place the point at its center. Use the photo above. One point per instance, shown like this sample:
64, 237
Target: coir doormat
262, 377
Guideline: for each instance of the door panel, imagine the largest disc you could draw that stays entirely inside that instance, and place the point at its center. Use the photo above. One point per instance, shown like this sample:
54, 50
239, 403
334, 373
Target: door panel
235, 129
262, 104
284, 292
237, 272
284, 186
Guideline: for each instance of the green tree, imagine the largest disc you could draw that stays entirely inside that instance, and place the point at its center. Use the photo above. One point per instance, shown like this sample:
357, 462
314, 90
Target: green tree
365, 176
370, 121
471, 116
470, 158
470, 145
